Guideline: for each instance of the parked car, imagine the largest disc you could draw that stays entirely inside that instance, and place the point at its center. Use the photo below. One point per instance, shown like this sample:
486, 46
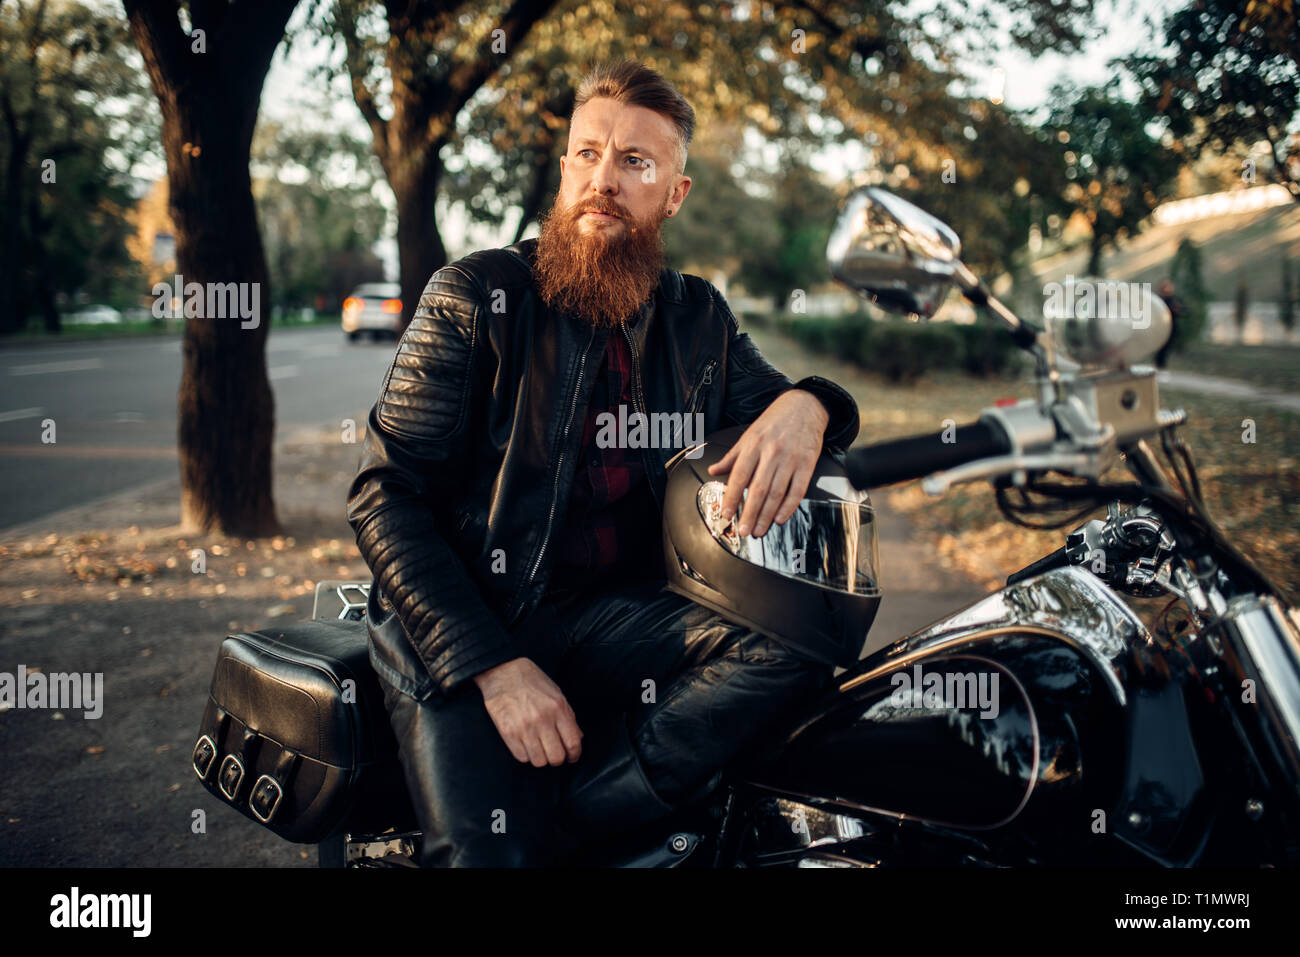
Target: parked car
93, 316
374, 308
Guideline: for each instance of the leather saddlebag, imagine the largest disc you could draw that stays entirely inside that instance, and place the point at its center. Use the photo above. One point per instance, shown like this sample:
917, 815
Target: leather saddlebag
295, 734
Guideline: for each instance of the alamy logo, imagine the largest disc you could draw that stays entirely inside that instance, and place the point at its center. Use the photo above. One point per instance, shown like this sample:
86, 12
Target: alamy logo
63, 691
658, 430
946, 689
213, 300
75, 909
1090, 298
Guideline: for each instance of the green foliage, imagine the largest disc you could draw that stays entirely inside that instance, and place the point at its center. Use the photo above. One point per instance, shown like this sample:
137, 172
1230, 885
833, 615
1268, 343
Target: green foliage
996, 177
1189, 286
903, 351
75, 114
1117, 171
319, 215
720, 222
1230, 76
802, 75
783, 245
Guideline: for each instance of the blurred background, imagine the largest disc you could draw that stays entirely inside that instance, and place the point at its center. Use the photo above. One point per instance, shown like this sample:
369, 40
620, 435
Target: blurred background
170, 475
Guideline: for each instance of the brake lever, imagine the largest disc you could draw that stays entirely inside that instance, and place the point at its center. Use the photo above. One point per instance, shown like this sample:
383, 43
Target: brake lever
1016, 465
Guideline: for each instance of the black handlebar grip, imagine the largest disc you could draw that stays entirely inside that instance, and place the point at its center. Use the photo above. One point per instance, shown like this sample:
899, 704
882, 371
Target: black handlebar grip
1058, 559
904, 459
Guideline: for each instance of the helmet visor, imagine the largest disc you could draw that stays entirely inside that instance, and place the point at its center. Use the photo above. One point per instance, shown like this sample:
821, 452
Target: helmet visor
825, 542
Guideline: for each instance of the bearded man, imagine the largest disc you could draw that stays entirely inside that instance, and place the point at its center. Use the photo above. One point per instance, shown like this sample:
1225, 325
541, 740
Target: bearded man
543, 683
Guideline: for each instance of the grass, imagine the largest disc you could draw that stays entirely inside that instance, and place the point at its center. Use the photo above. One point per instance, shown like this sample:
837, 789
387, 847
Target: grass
1272, 367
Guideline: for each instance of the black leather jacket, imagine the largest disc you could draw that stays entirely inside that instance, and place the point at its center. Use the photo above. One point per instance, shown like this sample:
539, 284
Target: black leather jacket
469, 452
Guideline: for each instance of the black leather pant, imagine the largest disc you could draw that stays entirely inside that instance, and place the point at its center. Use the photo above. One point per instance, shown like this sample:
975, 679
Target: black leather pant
666, 692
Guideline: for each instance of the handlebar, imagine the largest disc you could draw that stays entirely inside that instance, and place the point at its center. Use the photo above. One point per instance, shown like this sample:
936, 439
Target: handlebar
1058, 559
902, 460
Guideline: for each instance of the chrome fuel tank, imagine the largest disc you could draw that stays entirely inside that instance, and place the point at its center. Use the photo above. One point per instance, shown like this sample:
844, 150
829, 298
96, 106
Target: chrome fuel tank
1011, 710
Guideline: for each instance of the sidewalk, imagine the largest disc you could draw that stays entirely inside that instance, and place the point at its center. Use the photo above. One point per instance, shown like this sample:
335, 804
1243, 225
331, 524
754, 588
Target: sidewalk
1230, 388
110, 587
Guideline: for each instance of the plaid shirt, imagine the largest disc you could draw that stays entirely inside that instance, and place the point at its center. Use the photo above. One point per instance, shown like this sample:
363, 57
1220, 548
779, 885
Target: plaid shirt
613, 522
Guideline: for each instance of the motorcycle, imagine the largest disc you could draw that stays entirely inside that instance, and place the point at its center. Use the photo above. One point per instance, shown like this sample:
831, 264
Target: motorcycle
1045, 724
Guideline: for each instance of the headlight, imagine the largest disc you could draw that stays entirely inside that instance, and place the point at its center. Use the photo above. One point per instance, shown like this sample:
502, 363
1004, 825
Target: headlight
1105, 322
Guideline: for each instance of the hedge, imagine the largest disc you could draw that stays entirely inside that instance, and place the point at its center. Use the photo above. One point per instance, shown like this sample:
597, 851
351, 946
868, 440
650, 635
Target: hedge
903, 351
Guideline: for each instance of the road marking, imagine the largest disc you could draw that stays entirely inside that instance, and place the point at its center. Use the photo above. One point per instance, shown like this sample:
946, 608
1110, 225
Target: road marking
88, 451
14, 415
68, 365
281, 372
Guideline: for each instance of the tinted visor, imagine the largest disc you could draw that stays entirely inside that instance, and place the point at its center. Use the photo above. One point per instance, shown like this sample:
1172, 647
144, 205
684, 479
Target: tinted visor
827, 543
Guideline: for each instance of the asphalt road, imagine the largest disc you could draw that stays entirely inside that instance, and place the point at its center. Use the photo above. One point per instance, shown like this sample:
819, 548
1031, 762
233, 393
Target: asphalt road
114, 410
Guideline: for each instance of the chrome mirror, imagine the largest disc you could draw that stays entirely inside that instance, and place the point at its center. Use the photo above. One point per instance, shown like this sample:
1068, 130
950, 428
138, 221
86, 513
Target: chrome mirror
896, 253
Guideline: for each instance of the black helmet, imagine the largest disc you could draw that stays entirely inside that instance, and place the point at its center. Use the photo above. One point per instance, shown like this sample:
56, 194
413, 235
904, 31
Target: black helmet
810, 583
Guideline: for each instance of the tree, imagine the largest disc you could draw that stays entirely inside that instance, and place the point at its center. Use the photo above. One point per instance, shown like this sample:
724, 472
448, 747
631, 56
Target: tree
1286, 308
68, 98
1241, 304
788, 251
799, 74
1117, 171
992, 178
207, 63
1230, 75
1189, 285
320, 218
429, 57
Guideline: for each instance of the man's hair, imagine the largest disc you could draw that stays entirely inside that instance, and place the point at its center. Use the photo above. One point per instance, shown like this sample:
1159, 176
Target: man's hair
627, 81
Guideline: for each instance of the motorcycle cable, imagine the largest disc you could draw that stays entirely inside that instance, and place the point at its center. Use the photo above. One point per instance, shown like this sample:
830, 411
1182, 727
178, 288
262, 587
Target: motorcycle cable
1180, 511
1014, 512
1180, 458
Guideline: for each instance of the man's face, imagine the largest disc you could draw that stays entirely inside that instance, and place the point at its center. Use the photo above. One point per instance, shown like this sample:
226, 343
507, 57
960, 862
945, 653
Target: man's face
621, 160
600, 251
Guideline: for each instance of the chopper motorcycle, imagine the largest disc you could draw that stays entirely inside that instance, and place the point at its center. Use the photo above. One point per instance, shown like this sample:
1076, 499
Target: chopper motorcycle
1045, 724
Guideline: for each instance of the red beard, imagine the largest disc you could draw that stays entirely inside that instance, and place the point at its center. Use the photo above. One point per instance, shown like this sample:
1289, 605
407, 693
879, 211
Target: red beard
603, 279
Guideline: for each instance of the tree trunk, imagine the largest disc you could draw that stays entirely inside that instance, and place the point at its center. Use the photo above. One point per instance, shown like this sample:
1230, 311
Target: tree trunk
41, 280
1094, 255
419, 244
209, 100
425, 102
13, 306
226, 408
532, 206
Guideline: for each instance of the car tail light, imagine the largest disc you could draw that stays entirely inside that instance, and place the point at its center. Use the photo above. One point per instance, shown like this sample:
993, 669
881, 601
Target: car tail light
393, 307
352, 304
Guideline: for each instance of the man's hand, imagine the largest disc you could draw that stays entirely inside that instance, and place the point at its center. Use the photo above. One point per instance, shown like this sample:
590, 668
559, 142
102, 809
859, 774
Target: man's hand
530, 713
774, 458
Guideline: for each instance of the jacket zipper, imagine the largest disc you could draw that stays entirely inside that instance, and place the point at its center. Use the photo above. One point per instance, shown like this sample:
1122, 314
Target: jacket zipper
698, 392
638, 401
559, 470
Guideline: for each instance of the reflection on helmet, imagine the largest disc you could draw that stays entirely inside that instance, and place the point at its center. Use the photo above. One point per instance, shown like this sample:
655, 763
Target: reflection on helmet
829, 543
809, 582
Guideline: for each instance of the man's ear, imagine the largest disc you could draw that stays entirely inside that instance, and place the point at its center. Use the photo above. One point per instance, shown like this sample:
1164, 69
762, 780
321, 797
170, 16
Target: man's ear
678, 195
